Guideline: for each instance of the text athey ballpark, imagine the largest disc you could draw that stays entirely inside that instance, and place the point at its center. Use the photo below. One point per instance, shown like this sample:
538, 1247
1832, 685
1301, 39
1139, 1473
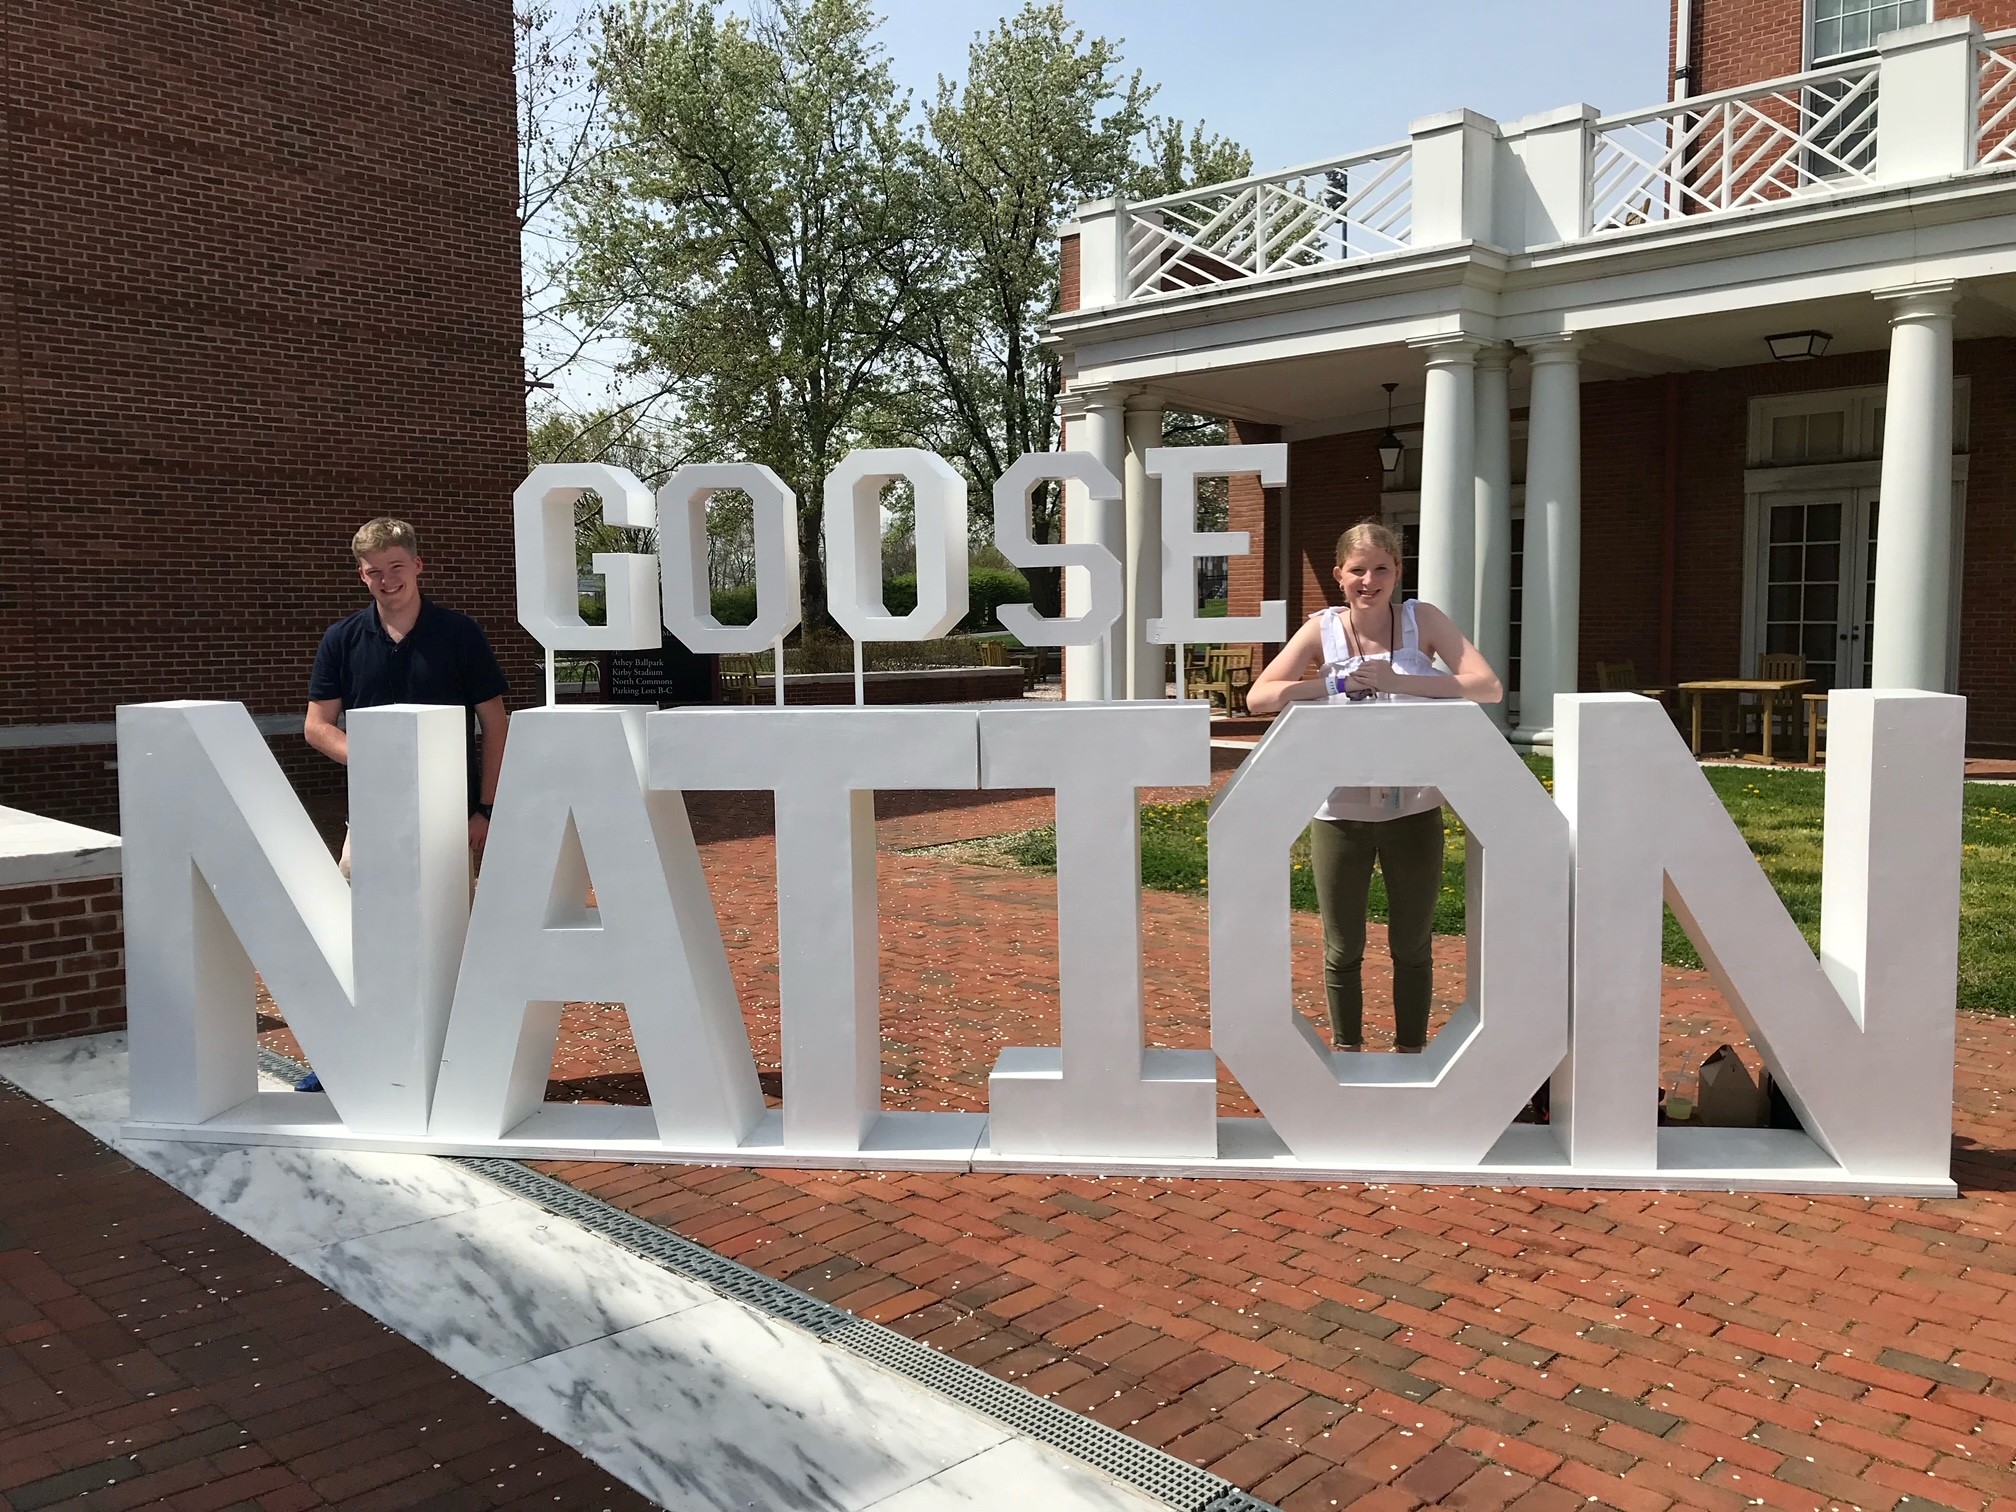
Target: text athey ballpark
431, 1020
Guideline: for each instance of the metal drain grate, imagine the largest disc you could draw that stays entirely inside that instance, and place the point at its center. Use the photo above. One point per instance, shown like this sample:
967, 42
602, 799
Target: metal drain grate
1163, 1476
1160, 1475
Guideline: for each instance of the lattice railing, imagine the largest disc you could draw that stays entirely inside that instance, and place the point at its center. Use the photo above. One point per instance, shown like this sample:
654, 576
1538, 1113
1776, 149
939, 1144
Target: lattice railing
1811, 133
1309, 217
1995, 100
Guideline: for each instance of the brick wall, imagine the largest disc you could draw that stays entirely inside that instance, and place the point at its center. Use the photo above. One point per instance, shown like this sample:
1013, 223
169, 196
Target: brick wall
1742, 41
262, 285
62, 959
1068, 287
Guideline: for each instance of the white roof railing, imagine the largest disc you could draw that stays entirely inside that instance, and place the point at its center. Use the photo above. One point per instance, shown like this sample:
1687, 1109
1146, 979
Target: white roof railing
1568, 175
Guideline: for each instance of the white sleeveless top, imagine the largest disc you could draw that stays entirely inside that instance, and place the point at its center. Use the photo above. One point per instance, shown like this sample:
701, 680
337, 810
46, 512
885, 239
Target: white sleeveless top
1341, 657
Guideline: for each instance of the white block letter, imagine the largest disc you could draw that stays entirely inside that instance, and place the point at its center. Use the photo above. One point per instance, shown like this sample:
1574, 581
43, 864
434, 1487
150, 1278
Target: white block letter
219, 851
822, 765
571, 807
549, 599
1104, 597
409, 903
1861, 1039
1101, 1093
1445, 1108
682, 554
1179, 468
854, 544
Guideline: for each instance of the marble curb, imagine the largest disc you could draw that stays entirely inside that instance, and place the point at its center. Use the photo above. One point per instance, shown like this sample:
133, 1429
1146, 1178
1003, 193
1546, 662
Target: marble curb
693, 1398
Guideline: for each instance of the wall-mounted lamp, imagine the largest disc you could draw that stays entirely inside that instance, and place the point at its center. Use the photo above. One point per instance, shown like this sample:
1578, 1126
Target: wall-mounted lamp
1389, 444
1799, 346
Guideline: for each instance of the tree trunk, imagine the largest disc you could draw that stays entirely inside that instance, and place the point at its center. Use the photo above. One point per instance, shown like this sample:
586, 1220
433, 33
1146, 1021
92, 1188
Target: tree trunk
811, 570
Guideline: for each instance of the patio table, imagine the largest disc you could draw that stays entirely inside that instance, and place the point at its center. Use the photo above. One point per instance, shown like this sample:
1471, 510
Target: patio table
1770, 689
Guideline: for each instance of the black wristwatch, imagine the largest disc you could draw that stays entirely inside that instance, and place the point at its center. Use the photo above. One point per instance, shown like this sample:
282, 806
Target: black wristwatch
479, 808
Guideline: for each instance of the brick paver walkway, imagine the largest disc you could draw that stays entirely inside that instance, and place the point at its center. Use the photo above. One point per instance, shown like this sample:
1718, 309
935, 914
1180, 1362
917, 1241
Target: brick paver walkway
1376, 1347
153, 1356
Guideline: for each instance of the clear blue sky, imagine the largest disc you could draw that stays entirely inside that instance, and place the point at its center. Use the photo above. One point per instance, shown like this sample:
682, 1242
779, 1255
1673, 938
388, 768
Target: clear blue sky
1298, 80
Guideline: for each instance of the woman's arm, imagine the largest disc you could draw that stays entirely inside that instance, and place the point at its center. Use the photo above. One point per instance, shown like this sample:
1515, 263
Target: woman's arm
1469, 675
1282, 681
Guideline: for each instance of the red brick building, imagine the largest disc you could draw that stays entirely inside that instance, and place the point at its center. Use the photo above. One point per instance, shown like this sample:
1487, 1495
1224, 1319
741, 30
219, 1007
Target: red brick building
1618, 445
262, 284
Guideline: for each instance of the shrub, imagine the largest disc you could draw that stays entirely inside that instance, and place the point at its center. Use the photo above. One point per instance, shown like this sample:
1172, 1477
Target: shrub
735, 606
987, 589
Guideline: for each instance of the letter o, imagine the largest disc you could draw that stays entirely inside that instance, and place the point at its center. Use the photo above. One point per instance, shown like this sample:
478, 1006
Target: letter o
682, 550
854, 544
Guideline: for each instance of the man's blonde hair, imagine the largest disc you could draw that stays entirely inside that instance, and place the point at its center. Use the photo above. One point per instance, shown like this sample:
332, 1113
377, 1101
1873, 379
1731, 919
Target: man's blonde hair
383, 534
1370, 535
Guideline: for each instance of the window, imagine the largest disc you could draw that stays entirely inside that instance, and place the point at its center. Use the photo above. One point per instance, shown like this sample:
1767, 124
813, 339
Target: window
1844, 27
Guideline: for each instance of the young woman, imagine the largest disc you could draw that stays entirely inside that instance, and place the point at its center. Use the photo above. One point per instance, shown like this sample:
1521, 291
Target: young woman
1376, 648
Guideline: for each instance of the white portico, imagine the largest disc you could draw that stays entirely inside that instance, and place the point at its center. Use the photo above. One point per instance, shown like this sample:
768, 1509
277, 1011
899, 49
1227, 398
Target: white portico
1490, 269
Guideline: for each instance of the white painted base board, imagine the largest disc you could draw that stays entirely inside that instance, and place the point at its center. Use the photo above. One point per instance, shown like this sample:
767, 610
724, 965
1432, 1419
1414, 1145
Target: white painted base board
1729, 1160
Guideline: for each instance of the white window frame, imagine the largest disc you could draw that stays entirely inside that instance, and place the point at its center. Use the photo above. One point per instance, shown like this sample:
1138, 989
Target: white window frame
1864, 471
1809, 20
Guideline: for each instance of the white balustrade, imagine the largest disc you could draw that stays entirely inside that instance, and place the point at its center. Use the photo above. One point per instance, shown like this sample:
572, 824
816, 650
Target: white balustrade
1810, 133
1309, 217
1951, 95
1995, 96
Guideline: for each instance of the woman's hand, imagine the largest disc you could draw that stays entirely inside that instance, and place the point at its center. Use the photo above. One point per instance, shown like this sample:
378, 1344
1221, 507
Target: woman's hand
1376, 677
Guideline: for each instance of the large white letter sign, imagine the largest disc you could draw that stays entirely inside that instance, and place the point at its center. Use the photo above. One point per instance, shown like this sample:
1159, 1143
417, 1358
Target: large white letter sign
224, 870
409, 903
1101, 1094
1179, 468
682, 550
1105, 596
571, 808
549, 598
854, 544
1861, 1039
1443, 1110
822, 765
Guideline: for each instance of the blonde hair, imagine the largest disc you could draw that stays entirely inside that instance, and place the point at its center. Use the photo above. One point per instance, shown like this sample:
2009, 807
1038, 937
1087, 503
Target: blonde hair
383, 534
1370, 535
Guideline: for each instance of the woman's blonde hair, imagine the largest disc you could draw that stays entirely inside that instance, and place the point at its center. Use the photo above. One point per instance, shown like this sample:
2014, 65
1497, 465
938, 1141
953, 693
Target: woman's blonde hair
1370, 535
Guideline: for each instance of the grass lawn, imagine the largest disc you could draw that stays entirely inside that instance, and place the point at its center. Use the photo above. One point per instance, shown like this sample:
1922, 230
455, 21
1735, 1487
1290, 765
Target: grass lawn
1779, 813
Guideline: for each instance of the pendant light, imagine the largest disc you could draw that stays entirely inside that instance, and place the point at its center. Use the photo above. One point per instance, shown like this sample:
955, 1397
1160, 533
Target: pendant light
1389, 444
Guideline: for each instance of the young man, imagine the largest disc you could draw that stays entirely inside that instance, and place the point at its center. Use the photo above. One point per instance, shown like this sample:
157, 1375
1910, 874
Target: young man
404, 648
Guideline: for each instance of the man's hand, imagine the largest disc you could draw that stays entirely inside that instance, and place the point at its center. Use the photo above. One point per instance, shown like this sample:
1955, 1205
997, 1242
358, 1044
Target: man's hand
479, 834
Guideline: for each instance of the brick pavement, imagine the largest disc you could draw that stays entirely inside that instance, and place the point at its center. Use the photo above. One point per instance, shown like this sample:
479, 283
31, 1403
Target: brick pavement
1378, 1347
153, 1356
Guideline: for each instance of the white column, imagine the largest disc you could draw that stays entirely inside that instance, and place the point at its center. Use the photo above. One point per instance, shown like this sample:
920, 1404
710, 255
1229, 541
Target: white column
1551, 592
1914, 539
1092, 672
1449, 479
1144, 554
1492, 633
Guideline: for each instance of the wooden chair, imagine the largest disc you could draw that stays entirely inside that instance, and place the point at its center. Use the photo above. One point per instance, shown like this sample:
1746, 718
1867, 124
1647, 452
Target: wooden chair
738, 679
1621, 676
993, 654
1782, 666
1816, 725
1227, 674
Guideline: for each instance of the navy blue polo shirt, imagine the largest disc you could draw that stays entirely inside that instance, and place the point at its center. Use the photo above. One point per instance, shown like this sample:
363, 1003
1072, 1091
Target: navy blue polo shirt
444, 659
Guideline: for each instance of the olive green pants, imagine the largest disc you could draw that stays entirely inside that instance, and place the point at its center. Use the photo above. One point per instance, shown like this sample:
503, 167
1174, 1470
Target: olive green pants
1409, 853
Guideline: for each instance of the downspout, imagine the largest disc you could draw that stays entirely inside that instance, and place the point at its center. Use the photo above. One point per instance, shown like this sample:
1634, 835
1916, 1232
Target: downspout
1669, 527
1683, 48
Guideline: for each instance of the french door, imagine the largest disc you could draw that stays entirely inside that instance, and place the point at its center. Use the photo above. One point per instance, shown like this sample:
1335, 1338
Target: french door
1818, 574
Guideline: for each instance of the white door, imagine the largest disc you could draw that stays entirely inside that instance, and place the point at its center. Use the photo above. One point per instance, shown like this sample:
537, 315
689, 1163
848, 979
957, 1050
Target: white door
1818, 581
